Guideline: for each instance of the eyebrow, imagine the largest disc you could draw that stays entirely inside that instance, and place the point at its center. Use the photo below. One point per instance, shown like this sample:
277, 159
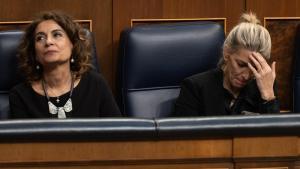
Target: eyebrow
238, 60
55, 30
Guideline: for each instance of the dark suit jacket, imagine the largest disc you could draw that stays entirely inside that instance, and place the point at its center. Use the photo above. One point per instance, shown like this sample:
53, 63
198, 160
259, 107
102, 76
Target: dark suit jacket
203, 95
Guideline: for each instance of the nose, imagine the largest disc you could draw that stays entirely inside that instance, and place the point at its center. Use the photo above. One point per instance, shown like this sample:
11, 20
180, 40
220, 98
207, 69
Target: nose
48, 41
247, 74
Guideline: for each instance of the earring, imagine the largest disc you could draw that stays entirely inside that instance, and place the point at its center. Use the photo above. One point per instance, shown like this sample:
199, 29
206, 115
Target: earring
72, 60
37, 67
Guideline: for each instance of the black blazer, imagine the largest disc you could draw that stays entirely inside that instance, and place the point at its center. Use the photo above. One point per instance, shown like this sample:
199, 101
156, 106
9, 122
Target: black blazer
204, 95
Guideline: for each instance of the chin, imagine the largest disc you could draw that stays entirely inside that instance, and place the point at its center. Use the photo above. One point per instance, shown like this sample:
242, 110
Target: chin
237, 85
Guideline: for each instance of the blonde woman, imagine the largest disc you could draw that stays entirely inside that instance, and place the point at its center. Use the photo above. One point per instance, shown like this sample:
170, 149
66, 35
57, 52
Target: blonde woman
243, 81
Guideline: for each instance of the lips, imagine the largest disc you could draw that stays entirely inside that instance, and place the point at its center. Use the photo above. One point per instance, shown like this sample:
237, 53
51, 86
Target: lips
50, 52
240, 82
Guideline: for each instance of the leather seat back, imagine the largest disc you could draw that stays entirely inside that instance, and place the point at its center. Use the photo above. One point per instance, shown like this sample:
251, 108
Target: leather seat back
154, 59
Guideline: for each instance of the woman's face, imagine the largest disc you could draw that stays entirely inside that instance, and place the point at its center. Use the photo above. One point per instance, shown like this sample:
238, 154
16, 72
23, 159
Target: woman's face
237, 72
52, 44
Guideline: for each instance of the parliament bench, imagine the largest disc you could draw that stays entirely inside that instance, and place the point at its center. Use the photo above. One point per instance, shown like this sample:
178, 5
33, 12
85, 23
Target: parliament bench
258, 141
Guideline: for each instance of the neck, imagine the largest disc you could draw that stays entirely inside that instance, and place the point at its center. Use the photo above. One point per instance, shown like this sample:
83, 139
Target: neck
58, 77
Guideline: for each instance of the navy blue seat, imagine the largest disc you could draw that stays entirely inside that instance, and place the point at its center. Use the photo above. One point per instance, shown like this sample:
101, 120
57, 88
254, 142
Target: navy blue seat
9, 76
296, 74
94, 58
154, 59
9, 41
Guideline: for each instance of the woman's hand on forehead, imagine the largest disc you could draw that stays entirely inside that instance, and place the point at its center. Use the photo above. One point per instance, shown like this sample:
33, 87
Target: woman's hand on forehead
264, 74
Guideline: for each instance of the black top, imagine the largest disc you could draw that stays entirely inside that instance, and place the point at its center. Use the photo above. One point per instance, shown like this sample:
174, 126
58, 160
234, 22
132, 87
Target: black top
91, 98
204, 95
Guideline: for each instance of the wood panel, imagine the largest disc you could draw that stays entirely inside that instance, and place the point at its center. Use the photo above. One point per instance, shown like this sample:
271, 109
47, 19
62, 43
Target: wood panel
276, 152
100, 12
269, 165
283, 52
265, 152
230, 9
21, 25
265, 147
121, 166
209, 153
273, 8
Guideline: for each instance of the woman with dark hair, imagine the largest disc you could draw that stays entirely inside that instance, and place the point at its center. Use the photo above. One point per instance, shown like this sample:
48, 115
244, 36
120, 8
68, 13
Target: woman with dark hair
54, 56
244, 81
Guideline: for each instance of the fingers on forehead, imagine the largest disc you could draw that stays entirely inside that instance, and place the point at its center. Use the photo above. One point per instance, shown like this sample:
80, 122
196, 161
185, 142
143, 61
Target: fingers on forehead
259, 58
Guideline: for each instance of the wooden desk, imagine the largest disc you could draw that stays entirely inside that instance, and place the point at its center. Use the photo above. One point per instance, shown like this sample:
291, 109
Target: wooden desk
256, 142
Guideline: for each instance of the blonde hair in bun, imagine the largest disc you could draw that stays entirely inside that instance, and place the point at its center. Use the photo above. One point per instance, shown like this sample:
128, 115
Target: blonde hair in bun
249, 18
250, 35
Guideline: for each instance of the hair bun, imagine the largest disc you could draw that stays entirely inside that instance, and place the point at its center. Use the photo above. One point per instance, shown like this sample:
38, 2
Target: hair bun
249, 18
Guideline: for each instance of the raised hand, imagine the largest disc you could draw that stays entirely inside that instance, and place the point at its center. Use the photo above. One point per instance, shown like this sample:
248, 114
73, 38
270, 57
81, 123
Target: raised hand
264, 75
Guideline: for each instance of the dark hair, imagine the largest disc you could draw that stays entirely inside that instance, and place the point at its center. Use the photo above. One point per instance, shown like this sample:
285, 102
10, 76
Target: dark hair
81, 52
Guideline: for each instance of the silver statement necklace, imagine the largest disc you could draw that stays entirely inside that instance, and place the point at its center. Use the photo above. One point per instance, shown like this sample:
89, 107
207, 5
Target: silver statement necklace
60, 111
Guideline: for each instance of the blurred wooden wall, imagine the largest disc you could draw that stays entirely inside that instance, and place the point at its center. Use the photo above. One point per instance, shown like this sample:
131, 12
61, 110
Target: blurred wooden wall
110, 17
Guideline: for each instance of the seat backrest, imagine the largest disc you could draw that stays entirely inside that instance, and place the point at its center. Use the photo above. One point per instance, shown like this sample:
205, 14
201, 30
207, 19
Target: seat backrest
94, 58
154, 59
296, 74
9, 76
9, 42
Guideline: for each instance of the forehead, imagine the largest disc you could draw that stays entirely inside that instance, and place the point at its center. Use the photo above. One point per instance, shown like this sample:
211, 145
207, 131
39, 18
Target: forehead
242, 55
47, 26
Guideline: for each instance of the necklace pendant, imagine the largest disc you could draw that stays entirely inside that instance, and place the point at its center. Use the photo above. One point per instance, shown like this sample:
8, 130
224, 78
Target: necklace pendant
68, 106
52, 108
57, 100
61, 114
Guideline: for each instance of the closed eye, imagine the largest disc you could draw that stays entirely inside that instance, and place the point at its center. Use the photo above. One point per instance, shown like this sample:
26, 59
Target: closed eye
242, 64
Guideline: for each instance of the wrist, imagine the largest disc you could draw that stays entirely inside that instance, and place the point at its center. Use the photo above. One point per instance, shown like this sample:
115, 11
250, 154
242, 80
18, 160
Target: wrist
269, 101
268, 97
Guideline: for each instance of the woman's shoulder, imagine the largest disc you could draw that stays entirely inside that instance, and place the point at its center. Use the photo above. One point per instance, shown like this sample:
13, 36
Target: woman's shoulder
21, 88
92, 75
206, 77
93, 79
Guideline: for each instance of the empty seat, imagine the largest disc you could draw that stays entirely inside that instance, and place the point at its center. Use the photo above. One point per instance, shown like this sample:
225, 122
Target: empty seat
154, 59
